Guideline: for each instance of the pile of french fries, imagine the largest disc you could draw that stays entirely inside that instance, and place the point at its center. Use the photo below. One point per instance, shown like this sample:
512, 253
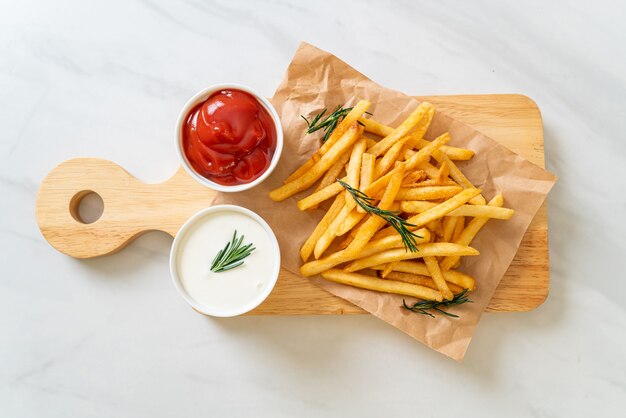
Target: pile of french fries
402, 173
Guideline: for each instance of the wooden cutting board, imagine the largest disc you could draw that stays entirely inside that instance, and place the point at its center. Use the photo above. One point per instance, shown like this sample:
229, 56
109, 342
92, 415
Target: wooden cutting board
132, 208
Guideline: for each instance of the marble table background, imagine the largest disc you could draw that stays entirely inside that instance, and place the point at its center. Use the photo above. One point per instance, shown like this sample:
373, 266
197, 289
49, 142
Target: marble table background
110, 337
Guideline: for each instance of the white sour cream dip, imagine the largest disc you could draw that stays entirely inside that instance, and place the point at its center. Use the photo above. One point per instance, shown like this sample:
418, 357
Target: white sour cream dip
234, 291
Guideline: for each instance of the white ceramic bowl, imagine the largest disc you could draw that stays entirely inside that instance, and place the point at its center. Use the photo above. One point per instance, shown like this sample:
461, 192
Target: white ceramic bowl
244, 307
201, 97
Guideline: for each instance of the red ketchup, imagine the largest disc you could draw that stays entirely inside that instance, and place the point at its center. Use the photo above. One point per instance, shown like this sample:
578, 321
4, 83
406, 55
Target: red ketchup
230, 138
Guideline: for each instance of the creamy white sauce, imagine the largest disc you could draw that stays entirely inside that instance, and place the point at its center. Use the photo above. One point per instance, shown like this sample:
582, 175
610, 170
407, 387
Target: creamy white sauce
234, 288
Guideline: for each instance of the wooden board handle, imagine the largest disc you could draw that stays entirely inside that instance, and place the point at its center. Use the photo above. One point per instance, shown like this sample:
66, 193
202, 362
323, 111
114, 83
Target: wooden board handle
131, 207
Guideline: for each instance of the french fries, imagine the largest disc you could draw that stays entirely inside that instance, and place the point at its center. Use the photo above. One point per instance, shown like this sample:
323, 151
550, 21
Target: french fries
333, 172
428, 193
403, 208
356, 112
468, 234
436, 249
309, 245
418, 268
379, 285
318, 170
478, 211
374, 223
379, 129
435, 273
353, 172
420, 280
373, 247
368, 169
404, 128
320, 196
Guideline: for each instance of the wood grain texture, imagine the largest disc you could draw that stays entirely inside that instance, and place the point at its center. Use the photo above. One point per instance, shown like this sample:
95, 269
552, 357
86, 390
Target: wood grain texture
132, 208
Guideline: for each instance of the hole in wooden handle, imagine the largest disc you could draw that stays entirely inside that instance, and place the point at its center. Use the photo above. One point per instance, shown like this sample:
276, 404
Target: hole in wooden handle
86, 206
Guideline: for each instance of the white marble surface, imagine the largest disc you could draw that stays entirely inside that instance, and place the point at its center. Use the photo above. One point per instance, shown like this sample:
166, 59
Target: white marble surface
111, 338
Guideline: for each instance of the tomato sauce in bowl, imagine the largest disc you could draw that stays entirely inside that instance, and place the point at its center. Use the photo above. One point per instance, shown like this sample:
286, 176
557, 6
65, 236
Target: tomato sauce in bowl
230, 138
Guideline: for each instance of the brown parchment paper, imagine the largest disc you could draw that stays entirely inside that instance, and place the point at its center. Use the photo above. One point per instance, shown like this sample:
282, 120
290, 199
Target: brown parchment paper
316, 79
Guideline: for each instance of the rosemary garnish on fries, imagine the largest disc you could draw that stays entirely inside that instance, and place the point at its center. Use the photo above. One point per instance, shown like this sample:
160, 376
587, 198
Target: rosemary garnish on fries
231, 255
391, 217
329, 123
423, 306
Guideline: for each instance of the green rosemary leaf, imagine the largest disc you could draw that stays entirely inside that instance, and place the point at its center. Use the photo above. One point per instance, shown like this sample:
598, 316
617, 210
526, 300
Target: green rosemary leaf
329, 123
231, 255
423, 306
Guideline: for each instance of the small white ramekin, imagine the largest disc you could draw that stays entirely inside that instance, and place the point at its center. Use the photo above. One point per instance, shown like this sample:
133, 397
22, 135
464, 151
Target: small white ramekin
211, 310
201, 97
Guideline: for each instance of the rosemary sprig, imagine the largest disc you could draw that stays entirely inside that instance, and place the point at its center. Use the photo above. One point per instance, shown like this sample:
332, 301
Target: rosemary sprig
391, 217
231, 255
329, 123
423, 306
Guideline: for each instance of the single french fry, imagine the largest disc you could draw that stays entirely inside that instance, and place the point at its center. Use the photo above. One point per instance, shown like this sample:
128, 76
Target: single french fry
442, 209
375, 127
415, 267
460, 154
461, 279
300, 170
317, 266
388, 269
420, 129
449, 222
431, 183
318, 197
368, 165
309, 245
374, 223
484, 211
420, 280
428, 192
432, 249
435, 273
411, 121
458, 176
458, 228
318, 170
416, 206
387, 161
347, 240
415, 159
470, 232
387, 286
444, 171
353, 173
